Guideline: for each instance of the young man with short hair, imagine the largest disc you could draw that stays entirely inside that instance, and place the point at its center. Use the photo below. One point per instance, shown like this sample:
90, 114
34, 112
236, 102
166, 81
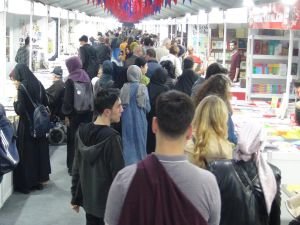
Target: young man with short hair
88, 56
234, 72
98, 157
165, 187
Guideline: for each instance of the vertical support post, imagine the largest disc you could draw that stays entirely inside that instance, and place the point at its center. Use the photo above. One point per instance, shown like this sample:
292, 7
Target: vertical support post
198, 36
58, 36
289, 67
224, 40
209, 38
30, 35
3, 49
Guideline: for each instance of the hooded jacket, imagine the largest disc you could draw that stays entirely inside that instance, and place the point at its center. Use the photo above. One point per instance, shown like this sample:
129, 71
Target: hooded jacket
98, 158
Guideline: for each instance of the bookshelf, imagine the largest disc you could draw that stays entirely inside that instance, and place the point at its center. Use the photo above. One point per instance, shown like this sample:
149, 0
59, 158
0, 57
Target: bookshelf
268, 64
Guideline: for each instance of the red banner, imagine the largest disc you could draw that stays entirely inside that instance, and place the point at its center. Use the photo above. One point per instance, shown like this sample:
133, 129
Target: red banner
275, 16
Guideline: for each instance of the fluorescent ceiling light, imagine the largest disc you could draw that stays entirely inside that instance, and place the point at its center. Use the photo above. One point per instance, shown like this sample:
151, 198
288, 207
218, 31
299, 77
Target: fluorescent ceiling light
214, 9
289, 2
248, 3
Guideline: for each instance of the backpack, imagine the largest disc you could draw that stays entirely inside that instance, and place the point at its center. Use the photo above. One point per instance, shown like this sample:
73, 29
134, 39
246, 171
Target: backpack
83, 97
40, 122
9, 156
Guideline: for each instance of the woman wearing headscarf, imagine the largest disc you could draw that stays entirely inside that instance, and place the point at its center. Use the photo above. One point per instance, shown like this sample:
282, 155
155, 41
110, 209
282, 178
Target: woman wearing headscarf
188, 77
248, 183
135, 100
155, 88
72, 117
34, 167
171, 79
106, 80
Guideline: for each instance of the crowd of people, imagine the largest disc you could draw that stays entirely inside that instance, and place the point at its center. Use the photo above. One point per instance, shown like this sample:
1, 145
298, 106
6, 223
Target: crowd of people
150, 137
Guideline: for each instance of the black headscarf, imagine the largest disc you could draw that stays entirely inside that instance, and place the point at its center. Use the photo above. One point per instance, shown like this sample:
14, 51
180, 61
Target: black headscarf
186, 81
23, 74
157, 84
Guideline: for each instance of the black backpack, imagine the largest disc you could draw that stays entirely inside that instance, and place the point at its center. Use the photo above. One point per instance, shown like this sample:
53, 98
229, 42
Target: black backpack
40, 122
9, 156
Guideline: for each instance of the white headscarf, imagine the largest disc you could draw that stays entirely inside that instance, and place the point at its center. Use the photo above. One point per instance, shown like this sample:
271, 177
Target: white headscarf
249, 146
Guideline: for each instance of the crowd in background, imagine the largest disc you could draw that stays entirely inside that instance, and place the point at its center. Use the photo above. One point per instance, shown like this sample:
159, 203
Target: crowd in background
126, 97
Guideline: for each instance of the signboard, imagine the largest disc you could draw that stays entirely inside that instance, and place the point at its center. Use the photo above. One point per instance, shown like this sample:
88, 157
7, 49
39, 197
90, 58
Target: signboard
275, 16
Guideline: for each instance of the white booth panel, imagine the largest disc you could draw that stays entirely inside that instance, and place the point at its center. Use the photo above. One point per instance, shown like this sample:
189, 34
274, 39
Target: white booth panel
21, 7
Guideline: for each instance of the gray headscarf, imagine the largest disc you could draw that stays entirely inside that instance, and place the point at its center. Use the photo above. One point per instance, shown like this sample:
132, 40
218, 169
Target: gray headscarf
134, 75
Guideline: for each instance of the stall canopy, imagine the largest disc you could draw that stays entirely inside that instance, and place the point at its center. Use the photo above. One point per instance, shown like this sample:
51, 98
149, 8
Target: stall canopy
174, 10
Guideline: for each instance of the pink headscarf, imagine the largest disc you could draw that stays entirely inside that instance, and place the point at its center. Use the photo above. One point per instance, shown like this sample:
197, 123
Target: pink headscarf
249, 146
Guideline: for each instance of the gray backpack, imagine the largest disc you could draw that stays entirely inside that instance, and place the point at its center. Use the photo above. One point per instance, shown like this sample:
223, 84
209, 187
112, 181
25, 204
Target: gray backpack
83, 97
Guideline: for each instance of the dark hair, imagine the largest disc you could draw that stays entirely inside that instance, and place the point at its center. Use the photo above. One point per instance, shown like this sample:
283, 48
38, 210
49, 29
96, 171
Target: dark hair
217, 84
151, 53
148, 41
174, 50
105, 99
140, 61
83, 38
215, 68
188, 63
174, 112
168, 65
233, 42
27, 41
297, 83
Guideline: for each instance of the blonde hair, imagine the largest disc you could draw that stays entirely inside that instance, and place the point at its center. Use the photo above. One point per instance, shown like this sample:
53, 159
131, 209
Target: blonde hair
210, 120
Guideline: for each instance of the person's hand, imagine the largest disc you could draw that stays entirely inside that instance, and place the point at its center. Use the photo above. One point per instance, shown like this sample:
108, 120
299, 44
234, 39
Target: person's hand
75, 208
235, 80
67, 121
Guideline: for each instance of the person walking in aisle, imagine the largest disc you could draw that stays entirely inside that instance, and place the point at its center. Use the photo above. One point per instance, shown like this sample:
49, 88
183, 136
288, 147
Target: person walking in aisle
98, 157
156, 86
151, 61
22, 56
163, 50
34, 167
218, 84
88, 57
248, 183
188, 77
165, 187
77, 104
210, 135
135, 100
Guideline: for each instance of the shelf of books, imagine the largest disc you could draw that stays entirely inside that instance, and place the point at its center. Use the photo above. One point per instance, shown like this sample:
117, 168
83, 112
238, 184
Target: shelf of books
267, 66
234, 32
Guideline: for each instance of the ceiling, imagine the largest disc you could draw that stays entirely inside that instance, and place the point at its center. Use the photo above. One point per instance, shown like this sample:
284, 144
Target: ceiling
178, 10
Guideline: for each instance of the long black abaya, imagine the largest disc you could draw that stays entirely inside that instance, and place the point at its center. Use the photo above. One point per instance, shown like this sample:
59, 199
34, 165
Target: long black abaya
34, 166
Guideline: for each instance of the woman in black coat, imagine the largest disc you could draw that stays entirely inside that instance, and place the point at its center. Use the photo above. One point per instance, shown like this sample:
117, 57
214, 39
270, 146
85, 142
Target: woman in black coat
155, 88
34, 167
72, 117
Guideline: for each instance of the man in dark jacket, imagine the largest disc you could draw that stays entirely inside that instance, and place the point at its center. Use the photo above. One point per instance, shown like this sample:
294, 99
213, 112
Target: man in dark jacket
151, 61
103, 51
98, 157
88, 57
56, 93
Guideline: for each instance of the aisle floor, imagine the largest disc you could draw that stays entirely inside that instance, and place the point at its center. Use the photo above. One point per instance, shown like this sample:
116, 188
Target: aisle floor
50, 206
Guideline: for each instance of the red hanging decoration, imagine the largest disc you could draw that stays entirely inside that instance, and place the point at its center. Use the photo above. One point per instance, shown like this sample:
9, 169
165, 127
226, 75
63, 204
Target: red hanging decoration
133, 10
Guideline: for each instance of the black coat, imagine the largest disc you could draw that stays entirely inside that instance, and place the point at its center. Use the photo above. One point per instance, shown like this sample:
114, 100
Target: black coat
89, 60
242, 204
103, 53
98, 158
186, 81
55, 96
